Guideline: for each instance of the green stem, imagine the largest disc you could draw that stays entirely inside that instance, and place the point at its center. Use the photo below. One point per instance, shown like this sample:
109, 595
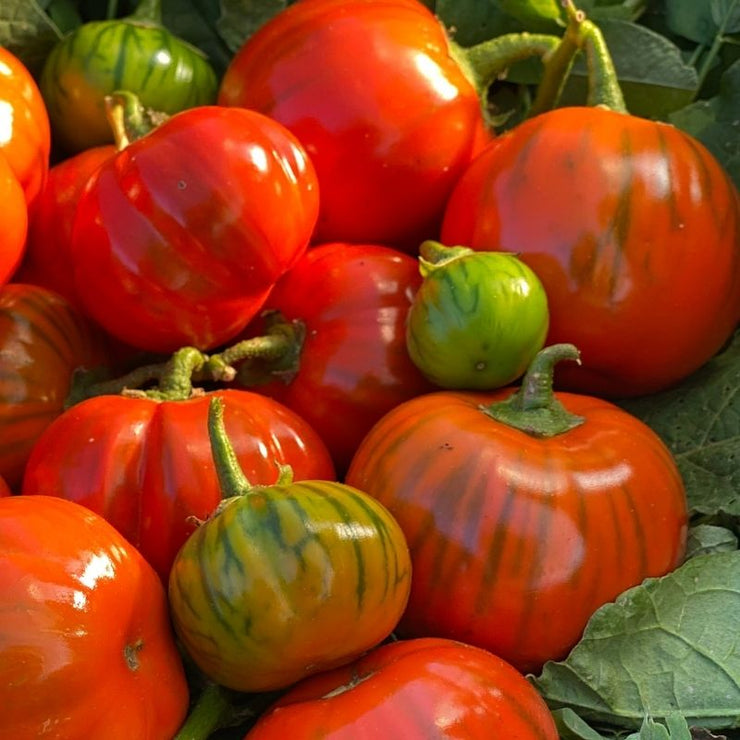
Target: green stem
212, 711
490, 59
147, 11
719, 40
176, 379
557, 65
533, 408
128, 118
278, 352
111, 10
580, 35
231, 478
603, 85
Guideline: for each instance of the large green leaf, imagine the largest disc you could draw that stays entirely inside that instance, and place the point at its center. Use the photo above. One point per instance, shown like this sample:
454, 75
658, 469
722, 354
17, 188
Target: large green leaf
473, 21
669, 645
196, 21
716, 122
700, 422
239, 19
27, 31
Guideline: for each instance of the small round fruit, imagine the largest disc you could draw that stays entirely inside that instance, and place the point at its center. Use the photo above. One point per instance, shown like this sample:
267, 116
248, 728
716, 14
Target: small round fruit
478, 319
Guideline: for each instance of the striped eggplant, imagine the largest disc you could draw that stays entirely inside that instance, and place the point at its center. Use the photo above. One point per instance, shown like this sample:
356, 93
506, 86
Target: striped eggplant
136, 53
632, 226
525, 510
478, 318
42, 340
286, 580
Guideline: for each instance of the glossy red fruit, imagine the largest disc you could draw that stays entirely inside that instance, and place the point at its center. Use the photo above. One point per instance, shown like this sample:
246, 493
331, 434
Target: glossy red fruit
25, 134
524, 512
146, 465
416, 690
86, 646
634, 230
374, 94
179, 237
47, 260
43, 340
352, 301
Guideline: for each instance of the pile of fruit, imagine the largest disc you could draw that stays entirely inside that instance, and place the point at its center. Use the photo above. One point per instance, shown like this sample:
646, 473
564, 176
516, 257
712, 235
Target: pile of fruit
362, 381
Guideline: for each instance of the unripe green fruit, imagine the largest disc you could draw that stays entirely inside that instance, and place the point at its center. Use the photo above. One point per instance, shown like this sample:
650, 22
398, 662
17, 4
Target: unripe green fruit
477, 320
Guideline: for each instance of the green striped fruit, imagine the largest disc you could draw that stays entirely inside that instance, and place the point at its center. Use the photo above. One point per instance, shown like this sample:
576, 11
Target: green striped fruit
286, 580
478, 319
135, 53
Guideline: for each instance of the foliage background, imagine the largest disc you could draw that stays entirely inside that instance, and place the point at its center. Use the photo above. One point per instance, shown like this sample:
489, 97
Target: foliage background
667, 651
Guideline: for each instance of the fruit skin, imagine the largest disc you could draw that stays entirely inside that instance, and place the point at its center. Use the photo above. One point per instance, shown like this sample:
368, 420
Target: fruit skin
14, 222
100, 57
86, 647
353, 365
516, 539
179, 238
478, 319
633, 229
414, 689
25, 136
43, 339
146, 465
47, 257
371, 90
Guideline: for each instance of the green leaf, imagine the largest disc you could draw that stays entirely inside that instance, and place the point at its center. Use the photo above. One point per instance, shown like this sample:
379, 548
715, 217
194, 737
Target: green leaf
572, 727
239, 19
705, 539
196, 21
691, 19
669, 645
473, 21
716, 122
700, 423
726, 15
674, 729
534, 13
27, 31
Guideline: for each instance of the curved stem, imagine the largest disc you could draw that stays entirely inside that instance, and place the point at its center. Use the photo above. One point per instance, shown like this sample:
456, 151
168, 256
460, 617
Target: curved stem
86, 384
176, 379
231, 478
147, 11
489, 60
533, 408
128, 118
580, 35
557, 65
212, 711
603, 85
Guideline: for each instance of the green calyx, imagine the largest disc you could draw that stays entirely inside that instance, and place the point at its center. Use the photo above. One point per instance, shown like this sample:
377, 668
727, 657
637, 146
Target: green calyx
433, 255
533, 408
